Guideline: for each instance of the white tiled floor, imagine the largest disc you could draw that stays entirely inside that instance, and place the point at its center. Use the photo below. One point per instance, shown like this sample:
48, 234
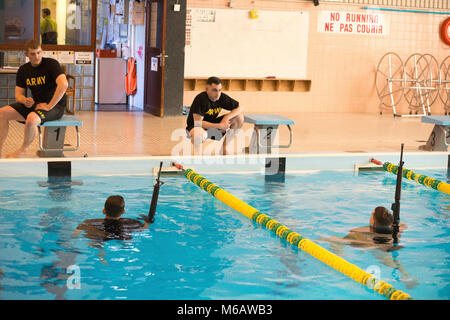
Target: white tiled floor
137, 133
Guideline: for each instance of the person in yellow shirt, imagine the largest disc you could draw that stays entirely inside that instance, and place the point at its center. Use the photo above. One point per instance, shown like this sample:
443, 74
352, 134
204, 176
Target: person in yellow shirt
48, 28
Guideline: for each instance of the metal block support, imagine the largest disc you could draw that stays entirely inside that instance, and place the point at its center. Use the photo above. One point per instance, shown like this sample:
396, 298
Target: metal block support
265, 132
52, 136
439, 137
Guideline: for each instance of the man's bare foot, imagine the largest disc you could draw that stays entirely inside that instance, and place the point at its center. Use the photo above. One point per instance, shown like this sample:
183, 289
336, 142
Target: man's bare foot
15, 154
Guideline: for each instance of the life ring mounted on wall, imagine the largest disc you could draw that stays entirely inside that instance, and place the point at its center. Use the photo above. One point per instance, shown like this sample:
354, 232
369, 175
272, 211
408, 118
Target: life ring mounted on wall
445, 31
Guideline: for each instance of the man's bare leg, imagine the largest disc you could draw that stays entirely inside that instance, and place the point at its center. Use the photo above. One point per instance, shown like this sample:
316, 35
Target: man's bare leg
31, 131
224, 144
197, 138
7, 114
235, 124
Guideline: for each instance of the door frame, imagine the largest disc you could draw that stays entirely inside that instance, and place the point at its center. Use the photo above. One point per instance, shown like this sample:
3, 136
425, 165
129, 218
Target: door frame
154, 109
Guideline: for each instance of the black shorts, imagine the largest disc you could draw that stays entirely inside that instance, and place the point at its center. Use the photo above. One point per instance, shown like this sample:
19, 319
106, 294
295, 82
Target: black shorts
213, 133
54, 114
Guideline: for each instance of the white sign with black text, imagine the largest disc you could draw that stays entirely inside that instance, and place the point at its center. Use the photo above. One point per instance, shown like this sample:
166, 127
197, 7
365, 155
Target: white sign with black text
363, 23
84, 58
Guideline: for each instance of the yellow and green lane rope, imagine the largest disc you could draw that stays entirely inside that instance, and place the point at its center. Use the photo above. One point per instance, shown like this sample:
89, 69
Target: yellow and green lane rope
417, 177
296, 239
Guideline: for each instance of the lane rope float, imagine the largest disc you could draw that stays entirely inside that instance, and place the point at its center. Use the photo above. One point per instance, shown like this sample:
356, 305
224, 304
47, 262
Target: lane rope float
417, 177
294, 238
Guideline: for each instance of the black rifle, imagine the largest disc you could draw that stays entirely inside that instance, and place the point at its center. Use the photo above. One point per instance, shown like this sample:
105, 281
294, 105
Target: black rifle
396, 205
154, 203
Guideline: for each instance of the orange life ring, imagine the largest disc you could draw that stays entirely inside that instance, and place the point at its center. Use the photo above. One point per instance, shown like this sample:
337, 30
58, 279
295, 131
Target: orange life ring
131, 81
445, 31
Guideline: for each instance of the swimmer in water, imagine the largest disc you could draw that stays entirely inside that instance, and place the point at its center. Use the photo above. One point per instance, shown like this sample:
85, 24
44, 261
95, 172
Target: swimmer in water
113, 226
378, 236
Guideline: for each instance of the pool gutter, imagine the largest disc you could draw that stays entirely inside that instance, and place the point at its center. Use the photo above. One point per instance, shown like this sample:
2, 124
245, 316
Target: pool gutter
237, 164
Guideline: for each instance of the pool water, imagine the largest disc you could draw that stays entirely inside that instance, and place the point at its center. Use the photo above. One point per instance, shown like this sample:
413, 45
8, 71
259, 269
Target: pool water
199, 248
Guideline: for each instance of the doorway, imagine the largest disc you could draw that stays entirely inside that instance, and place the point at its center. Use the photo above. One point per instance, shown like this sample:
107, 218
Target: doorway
164, 57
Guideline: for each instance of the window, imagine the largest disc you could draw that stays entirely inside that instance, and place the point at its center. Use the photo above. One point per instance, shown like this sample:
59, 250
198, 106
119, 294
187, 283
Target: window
65, 22
58, 24
16, 21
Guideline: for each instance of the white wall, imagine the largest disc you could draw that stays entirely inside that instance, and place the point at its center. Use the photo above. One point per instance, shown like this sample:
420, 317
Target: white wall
139, 55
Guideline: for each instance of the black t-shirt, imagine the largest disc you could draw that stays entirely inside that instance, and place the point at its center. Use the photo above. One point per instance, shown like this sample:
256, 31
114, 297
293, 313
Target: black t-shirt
108, 229
209, 109
41, 80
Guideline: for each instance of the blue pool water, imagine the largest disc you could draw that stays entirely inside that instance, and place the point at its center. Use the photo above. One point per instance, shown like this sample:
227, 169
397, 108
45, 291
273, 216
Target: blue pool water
198, 248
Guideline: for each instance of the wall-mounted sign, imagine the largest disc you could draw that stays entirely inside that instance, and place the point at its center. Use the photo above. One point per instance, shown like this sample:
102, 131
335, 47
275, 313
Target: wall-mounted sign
137, 13
363, 23
206, 15
66, 57
154, 64
85, 58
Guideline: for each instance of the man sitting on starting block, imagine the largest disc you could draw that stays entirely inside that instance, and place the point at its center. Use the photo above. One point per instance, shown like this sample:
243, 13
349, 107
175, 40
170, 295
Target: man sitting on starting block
204, 122
48, 84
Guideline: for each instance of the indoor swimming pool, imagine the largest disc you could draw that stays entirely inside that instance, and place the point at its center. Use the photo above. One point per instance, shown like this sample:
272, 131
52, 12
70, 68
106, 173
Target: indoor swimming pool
199, 248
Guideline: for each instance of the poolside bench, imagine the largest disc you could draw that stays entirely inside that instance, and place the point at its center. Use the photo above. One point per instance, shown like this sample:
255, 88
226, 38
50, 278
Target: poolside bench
51, 139
265, 131
438, 138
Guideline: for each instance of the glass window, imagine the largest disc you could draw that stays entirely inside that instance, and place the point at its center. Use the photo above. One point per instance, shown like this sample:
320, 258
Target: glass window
16, 21
65, 22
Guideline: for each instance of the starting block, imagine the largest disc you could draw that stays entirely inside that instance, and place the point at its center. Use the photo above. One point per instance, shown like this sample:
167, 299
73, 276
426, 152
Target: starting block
265, 131
51, 138
438, 140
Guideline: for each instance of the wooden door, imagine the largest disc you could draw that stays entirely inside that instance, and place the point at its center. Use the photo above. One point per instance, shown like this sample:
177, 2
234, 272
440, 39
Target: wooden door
155, 56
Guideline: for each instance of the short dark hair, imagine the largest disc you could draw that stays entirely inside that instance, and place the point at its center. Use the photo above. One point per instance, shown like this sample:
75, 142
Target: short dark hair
382, 220
213, 80
32, 44
46, 11
114, 206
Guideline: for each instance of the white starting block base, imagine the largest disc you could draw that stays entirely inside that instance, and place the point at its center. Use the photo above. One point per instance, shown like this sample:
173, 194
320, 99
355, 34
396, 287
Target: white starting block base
52, 137
439, 137
265, 131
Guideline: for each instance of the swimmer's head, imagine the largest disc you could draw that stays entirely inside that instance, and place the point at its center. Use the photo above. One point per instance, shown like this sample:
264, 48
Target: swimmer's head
114, 207
381, 220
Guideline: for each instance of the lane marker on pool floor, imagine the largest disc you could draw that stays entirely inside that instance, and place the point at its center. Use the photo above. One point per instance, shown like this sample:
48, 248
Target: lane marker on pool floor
323, 255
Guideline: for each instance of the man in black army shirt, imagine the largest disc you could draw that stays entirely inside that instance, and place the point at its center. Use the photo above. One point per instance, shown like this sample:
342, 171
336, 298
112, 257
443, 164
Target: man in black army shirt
204, 121
47, 83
